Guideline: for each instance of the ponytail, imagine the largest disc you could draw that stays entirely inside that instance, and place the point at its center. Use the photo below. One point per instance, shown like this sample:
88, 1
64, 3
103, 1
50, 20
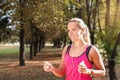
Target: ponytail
86, 35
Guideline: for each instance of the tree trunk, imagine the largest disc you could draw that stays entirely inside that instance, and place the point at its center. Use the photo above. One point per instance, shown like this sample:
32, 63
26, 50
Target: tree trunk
89, 22
35, 48
31, 44
88, 14
31, 51
37, 40
111, 62
94, 23
42, 40
107, 17
64, 40
112, 72
79, 13
117, 12
99, 24
54, 43
22, 54
58, 43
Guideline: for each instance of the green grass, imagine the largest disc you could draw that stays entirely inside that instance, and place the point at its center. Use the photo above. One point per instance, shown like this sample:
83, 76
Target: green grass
14, 50
11, 53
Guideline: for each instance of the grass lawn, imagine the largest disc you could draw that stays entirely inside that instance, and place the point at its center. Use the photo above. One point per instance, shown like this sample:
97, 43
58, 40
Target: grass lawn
12, 52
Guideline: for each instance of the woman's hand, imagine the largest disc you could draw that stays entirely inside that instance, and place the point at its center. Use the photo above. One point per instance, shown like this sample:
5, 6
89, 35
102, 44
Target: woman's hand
47, 66
82, 68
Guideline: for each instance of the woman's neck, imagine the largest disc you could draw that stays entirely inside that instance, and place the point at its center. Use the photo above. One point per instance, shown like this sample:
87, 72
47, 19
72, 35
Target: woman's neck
79, 44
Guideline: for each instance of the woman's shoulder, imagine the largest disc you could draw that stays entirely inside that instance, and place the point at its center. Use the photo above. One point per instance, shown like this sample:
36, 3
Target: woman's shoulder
66, 48
94, 50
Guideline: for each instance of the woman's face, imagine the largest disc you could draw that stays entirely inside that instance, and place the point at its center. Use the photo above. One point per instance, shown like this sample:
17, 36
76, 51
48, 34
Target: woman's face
74, 31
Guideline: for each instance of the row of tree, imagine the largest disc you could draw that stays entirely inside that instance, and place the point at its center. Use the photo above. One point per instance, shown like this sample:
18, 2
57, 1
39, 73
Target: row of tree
38, 21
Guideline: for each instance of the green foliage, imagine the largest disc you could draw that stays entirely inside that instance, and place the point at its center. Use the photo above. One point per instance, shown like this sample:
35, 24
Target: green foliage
4, 22
5, 32
109, 36
6, 10
118, 56
50, 18
5, 35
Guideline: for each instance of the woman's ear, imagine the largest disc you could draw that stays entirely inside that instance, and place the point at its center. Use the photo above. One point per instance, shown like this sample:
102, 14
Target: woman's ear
81, 31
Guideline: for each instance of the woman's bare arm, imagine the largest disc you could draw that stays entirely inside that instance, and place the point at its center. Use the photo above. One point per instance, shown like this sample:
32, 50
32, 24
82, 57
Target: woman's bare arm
96, 58
60, 71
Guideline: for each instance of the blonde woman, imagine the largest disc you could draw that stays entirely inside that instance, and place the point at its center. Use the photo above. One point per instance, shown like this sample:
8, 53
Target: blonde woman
78, 58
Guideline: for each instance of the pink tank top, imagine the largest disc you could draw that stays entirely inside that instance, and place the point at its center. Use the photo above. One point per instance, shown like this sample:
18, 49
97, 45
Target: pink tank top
71, 65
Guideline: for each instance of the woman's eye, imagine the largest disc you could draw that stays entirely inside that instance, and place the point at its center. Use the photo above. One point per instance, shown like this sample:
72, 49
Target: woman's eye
74, 29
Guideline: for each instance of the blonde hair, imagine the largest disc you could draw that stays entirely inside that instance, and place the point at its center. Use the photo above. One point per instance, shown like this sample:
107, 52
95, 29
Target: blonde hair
83, 27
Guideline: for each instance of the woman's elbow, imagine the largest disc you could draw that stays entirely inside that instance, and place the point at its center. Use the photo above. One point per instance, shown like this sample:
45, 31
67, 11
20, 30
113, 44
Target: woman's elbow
60, 75
104, 73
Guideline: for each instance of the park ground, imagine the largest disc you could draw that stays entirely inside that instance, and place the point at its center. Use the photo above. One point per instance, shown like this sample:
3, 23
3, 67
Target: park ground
33, 70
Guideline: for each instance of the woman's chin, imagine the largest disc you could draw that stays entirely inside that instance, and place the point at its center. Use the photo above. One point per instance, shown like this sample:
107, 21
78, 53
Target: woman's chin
72, 40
